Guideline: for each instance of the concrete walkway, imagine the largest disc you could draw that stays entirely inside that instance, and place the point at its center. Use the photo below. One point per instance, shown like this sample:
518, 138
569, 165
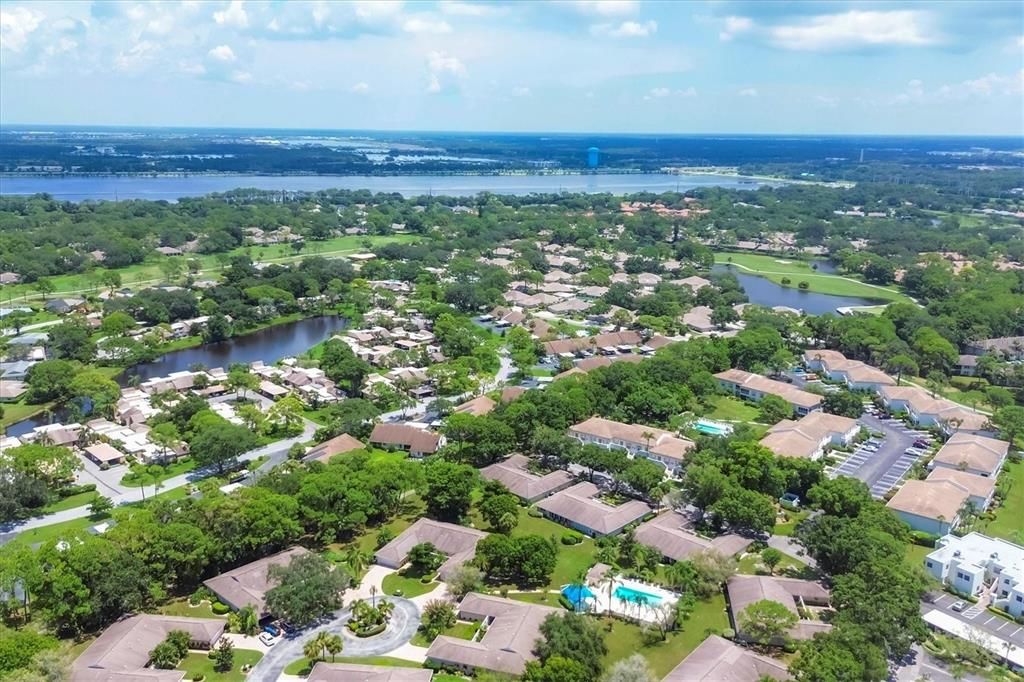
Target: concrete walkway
791, 548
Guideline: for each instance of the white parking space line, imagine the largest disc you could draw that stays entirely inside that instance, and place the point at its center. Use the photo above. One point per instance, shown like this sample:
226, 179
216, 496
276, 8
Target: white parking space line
1002, 626
991, 618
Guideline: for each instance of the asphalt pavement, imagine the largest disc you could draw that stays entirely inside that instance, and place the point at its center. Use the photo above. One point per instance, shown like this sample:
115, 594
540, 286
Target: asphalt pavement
882, 469
997, 626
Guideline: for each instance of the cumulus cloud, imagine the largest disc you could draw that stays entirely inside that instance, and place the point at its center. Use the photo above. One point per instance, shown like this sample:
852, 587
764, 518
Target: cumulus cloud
984, 87
16, 25
425, 25
443, 72
857, 29
233, 15
360, 88
137, 57
627, 29
606, 8
748, 92
223, 53
735, 26
663, 92
660, 92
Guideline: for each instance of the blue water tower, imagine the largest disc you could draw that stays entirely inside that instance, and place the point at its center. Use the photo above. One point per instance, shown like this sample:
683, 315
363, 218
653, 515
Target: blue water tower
593, 156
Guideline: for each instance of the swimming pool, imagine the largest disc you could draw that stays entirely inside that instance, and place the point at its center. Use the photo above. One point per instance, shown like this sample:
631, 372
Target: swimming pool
712, 428
578, 595
631, 594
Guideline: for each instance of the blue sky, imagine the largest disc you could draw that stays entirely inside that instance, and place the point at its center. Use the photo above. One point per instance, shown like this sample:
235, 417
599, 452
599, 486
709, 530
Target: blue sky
612, 66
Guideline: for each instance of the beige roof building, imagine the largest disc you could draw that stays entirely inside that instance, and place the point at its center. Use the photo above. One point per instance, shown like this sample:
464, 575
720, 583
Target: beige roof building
458, 543
350, 672
513, 628
416, 441
980, 489
575, 345
530, 487
719, 660
669, 535
930, 506
248, 585
808, 436
975, 454
579, 508
928, 411
754, 387
698, 319
338, 445
745, 590
477, 407
121, 653
648, 441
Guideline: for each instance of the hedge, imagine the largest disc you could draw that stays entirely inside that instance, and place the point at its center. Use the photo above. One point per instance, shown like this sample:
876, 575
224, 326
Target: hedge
219, 608
572, 538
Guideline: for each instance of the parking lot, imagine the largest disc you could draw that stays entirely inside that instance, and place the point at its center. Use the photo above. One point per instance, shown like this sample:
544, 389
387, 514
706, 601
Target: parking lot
979, 617
882, 462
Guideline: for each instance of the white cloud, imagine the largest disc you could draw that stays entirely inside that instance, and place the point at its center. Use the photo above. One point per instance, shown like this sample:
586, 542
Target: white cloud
16, 25
688, 92
137, 57
223, 53
660, 92
425, 25
233, 15
444, 71
468, 9
663, 92
521, 91
984, 87
827, 101
241, 77
606, 8
748, 92
856, 29
360, 88
377, 9
191, 68
627, 29
735, 26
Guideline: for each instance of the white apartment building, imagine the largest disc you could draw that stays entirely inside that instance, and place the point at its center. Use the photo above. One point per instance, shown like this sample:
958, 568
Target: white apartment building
975, 561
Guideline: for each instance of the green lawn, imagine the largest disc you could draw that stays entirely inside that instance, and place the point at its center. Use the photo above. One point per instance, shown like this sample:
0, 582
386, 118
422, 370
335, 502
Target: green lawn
793, 518
158, 473
459, 631
200, 663
623, 639
302, 666
181, 607
410, 587
15, 412
915, 555
775, 268
542, 598
70, 502
732, 409
149, 272
58, 531
1007, 523
789, 566
572, 559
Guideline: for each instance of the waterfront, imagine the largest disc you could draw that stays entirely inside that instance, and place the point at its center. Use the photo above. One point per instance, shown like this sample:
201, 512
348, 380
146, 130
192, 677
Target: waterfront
270, 345
763, 291
171, 188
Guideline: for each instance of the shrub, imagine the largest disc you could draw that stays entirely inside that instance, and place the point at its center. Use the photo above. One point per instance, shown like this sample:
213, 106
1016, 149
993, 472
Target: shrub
198, 677
729, 633
804, 284
219, 608
566, 604
69, 490
789, 646
535, 513
786, 281
572, 538
427, 579
919, 537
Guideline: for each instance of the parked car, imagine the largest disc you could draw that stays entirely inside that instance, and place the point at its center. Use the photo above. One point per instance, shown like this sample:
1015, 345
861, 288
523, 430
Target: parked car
272, 630
921, 444
959, 606
268, 639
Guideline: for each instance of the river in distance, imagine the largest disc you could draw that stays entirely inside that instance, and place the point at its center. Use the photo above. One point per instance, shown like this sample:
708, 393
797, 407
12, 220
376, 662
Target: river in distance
171, 188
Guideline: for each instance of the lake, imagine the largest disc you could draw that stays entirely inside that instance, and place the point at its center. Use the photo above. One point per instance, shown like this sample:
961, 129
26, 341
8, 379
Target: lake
269, 345
767, 293
171, 188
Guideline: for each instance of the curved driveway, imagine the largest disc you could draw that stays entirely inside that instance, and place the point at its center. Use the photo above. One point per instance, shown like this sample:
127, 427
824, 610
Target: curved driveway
404, 621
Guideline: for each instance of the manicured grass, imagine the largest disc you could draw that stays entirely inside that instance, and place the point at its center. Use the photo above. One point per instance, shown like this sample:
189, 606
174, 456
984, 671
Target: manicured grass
624, 639
200, 663
793, 518
1007, 523
149, 271
410, 587
733, 410
459, 631
542, 598
751, 564
15, 412
775, 268
302, 666
70, 502
915, 555
58, 531
181, 607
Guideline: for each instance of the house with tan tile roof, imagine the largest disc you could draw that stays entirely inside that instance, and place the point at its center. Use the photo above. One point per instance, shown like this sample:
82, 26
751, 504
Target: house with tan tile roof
476, 407
579, 508
698, 318
664, 447
121, 652
351, 672
808, 437
930, 506
972, 453
753, 387
248, 585
507, 646
457, 543
925, 410
980, 489
857, 375
669, 533
719, 660
339, 445
581, 344
514, 474
417, 442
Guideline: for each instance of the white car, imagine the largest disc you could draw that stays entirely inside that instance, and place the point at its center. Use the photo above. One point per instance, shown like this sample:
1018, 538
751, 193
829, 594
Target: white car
268, 639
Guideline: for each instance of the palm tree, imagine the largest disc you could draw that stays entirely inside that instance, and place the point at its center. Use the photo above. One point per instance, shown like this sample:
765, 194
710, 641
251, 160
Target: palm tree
579, 581
334, 645
386, 608
311, 649
373, 596
357, 560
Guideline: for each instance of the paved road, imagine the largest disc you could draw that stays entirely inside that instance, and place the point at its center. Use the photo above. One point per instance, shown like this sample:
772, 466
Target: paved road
404, 622
883, 469
789, 546
920, 665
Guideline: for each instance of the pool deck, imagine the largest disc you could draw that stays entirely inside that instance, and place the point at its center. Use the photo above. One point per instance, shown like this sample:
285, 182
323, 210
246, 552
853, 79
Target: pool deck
604, 599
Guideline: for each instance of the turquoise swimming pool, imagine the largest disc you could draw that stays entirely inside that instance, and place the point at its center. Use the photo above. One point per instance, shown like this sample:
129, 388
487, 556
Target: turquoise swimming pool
634, 595
578, 595
712, 428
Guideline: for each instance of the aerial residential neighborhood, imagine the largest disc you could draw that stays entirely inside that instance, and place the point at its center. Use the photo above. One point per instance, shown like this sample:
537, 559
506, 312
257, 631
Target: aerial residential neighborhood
489, 341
